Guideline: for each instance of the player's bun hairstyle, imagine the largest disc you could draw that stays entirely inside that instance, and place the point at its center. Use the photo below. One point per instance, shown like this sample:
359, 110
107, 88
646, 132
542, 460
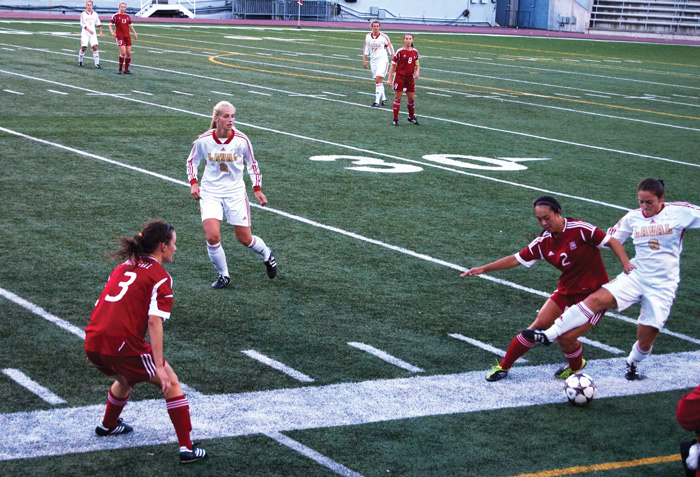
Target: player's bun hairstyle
217, 110
655, 186
144, 243
549, 201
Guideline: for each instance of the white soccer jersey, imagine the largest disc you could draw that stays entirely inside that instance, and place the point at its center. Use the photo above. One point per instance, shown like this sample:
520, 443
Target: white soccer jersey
89, 21
224, 163
376, 48
658, 241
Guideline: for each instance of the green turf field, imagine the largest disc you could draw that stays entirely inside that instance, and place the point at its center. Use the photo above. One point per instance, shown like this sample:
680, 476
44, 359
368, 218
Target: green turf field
371, 225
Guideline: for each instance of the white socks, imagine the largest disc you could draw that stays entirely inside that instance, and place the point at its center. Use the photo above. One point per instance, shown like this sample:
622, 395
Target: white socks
96, 57
218, 258
637, 355
573, 317
379, 93
258, 246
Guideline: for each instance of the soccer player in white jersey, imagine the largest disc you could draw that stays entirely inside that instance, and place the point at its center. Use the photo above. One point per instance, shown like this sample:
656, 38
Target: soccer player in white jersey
657, 230
89, 23
227, 152
376, 46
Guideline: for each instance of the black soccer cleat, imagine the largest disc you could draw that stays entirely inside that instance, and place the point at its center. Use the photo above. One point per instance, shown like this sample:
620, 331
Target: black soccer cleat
632, 372
221, 282
188, 456
375, 105
80, 63
383, 103
396, 122
97, 67
271, 266
119, 72
127, 72
120, 428
537, 336
414, 121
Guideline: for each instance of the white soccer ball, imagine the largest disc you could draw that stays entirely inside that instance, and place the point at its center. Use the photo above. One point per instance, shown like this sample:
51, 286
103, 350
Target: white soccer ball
579, 389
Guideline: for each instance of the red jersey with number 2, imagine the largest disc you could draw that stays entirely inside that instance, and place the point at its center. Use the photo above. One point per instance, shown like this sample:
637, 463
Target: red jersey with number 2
575, 251
121, 22
405, 61
119, 322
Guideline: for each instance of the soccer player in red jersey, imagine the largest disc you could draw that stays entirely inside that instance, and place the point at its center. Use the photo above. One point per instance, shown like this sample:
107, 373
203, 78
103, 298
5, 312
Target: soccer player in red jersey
137, 299
122, 25
571, 246
688, 416
405, 64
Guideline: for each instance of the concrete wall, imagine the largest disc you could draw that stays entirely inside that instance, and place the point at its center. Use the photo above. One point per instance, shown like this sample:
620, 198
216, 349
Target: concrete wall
577, 11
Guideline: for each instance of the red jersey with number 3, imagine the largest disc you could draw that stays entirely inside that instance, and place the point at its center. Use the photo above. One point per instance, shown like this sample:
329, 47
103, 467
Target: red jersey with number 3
119, 322
575, 251
121, 22
405, 61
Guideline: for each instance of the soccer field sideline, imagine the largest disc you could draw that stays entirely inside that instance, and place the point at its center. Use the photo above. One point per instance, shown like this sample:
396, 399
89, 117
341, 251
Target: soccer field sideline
71, 429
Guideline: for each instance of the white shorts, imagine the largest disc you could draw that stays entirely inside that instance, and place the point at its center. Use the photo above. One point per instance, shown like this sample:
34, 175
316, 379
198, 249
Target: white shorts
379, 67
236, 208
87, 38
656, 301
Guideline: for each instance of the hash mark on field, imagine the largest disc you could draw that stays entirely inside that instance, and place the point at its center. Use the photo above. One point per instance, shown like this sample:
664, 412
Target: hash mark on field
251, 353
182, 93
386, 357
333, 94
439, 94
219, 92
339, 469
597, 95
598, 344
258, 92
13, 92
28, 383
566, 95
141, 92
57, 92
482, 345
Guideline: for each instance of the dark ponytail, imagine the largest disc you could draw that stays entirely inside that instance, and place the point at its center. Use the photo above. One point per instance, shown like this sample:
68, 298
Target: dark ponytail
144, 243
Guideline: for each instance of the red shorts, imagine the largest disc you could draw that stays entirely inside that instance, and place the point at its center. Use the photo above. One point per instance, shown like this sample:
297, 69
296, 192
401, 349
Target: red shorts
136, 369
565, 301
688, 411
404, 83
124, 41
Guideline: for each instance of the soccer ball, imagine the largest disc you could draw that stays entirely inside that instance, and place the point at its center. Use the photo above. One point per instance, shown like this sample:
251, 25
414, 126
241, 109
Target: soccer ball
579, 389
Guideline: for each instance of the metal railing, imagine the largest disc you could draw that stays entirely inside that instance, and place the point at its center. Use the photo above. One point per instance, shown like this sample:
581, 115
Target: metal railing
284, 10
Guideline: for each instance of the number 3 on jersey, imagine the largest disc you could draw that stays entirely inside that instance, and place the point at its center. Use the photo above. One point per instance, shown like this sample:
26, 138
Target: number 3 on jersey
124, 286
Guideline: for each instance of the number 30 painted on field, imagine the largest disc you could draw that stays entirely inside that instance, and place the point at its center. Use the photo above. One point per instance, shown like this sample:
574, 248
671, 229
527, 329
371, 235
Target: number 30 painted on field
371, 164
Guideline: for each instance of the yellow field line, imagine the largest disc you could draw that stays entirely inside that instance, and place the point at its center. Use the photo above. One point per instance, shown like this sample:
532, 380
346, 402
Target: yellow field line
584, 469
214, 59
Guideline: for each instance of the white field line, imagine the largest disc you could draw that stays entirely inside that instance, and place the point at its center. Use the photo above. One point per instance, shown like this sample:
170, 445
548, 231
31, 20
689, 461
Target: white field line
484, 346
259, 92
352, 234
28, 383
13, 92
622, 118
37, 310
182, 93
33, 434
312, 454
299, 376
141, 92
598, 344
56, 92
384, 356
219, 92
322, 141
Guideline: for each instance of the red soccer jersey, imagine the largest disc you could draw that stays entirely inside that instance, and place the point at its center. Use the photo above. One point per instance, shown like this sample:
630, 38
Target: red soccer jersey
119, 322
121, 22
575, 251
405, 61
